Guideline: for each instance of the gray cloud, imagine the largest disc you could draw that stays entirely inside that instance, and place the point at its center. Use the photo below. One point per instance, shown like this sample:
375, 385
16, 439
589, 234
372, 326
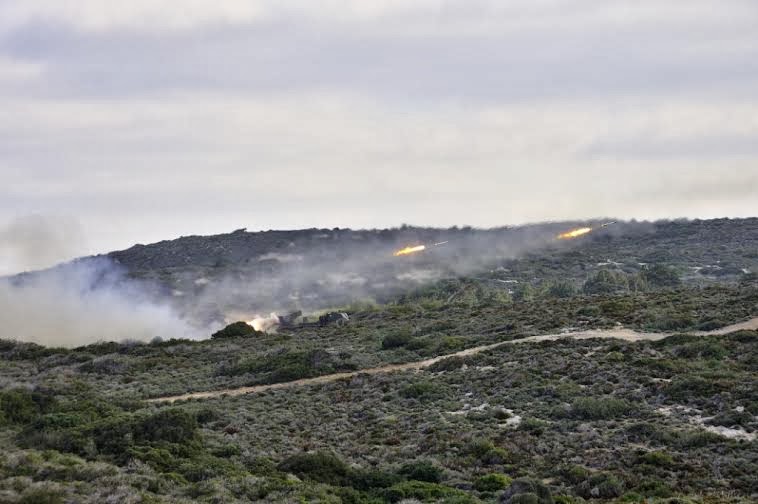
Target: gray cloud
36, 241
414, 58
147, 121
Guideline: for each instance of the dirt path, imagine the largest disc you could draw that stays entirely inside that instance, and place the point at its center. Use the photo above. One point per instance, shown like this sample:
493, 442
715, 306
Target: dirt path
623, 334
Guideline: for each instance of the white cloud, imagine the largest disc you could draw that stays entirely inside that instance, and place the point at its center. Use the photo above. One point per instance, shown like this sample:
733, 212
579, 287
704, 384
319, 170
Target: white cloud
291, 161
14, 71
157, 118
96, 15
460, 17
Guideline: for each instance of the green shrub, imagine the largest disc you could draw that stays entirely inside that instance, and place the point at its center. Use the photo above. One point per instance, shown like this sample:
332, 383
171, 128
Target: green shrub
420, 390
422, 471
617, 308
170, 426
692, 386
451, 344
19, 406
694, 438
486, 452
290, 365
447, 364
701, 349
524, 498
661, 276
600, 485
492, 482
672, 322
226, 450
527, 490
373, 478
744, 336
561, 289
114, 435
732, 418
606, 282
423, 491
653, 488
590, 408
575, 474
589, 311
657, 458
42, 495
236, 329
396, 340
615, 356
319, 466
206, 415
533, 425
158, 458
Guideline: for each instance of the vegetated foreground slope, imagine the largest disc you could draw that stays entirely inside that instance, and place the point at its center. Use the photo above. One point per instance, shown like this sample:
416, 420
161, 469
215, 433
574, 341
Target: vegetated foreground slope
565, 421
593, 419
620, 334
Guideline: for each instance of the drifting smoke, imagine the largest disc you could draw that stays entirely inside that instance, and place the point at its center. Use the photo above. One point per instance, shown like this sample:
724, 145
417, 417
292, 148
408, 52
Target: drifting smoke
81, 303
36, 241
311, 270
265, 324
315, 270
77, 303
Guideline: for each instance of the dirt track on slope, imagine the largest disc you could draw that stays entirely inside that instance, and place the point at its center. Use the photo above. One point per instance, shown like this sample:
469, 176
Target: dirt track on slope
623, 334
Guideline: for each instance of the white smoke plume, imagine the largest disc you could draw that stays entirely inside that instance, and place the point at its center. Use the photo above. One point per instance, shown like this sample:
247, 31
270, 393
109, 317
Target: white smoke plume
265, 324
35, 241
81, 303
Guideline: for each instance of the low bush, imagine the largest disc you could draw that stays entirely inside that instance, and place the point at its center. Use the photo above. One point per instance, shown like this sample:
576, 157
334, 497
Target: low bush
420, 390
590, 408
447, 364
492, 482
689, 387
657, 458
422, 471
290, 365
235, 330
42, 495
486, 453
600, 485
425, 492
701, 349
170, 426
323, 467
527, 490
18, 406
396, 340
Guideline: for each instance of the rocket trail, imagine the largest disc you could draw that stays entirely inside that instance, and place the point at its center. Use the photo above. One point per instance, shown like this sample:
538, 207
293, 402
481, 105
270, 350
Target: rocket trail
417, 248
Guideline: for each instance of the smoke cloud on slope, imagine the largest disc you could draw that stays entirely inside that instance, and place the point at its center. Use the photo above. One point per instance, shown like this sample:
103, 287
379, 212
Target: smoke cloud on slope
81, 303
314, 270
192, 286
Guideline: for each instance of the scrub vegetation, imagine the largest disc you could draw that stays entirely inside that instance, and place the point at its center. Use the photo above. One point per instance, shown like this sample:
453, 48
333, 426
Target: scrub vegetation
565, 421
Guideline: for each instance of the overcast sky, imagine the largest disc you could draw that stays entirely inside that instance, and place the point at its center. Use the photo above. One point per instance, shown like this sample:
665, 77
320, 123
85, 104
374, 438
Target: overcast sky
132, 122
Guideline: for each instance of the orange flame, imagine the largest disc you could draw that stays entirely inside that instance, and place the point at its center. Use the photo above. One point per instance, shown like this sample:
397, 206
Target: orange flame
410, 250
574, 233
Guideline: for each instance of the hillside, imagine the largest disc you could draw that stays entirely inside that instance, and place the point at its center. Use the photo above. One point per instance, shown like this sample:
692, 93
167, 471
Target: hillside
218, 278
572, 413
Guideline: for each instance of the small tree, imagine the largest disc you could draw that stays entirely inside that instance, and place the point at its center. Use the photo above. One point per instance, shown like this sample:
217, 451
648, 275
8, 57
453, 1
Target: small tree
234, 330
606, 282
662, 276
